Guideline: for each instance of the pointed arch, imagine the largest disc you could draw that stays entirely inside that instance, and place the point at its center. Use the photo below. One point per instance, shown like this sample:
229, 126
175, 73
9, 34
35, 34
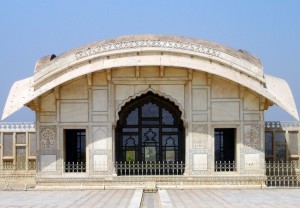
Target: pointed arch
150, 129
154, 92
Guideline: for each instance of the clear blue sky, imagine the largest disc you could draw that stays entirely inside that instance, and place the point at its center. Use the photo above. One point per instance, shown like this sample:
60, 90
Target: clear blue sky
268, 29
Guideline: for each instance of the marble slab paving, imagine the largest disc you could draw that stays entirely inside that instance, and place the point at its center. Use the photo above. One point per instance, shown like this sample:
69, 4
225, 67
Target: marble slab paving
283, 198
234, 198
61, 199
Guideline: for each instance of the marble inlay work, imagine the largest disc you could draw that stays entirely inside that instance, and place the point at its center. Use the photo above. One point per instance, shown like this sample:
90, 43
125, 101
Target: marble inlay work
48, 135
147, 43
251, 136
200, 136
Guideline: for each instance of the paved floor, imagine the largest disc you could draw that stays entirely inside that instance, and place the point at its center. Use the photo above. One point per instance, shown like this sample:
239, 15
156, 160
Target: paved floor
150, 200
235, 198
59, 199
169, 198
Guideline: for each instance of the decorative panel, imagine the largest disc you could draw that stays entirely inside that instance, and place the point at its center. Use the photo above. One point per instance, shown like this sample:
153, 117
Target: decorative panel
32, 144
123, 72
199, 117
7, 144
48, 103
252, 136
199, 78
48, 162
99, 78
124, 91
100, 163
221, 88
76, 89
175, 91
47, 118
252, 161
100, 118
21, 138
199, 162
225, 111
74, 112
199, 97
200, 137
48, 137
174, 72
149, 71
251, 116
251, 102
100, 100
100, 136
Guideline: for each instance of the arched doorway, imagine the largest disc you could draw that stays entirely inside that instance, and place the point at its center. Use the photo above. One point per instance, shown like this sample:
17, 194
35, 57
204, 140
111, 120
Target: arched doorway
150, 130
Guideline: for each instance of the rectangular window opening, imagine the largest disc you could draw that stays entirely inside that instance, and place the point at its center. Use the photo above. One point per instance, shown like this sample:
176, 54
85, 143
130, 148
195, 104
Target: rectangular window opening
75, 153
225, 149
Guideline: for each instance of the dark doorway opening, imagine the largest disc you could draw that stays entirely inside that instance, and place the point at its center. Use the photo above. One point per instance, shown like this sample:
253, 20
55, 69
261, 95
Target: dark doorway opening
150, 130
75, 154
225, 149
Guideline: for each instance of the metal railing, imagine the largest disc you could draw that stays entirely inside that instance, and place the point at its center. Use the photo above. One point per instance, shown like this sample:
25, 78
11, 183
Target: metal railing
18, 167
278, 174
283, 174
72, 167
149, 168
225, 166
17, 126
18, 173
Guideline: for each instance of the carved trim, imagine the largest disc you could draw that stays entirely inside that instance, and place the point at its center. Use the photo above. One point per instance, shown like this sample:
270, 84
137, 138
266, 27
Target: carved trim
17, 126
200, 136
282, 125
252, 136
168, 44
156, 92
48, 137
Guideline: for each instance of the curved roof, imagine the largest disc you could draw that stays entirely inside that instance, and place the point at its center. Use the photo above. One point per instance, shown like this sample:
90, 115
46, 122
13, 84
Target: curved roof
156, 50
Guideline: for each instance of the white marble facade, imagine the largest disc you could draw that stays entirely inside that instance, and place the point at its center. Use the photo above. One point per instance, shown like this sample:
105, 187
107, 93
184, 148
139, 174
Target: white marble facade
214, 87
206, 105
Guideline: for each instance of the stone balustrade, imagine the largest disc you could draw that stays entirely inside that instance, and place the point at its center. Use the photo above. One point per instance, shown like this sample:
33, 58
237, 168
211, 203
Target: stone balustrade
17, 126
282, 124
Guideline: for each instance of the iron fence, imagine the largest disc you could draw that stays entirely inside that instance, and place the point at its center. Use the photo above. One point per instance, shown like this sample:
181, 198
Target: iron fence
150, 168
17, 174
283, 174
72, 167
167, 168
225, 166
19, 166
278, 174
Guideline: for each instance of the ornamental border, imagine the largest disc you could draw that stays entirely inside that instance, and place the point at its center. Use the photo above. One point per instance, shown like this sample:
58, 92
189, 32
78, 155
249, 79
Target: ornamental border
168, 44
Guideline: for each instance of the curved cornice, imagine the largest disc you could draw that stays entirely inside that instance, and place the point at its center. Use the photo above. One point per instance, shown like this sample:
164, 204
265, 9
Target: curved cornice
239, 60
151, 50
